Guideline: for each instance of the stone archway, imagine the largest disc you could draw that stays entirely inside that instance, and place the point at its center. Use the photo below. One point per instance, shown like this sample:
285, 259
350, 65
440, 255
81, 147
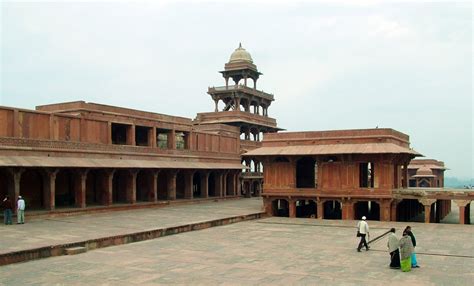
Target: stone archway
369, 209
306, 209
31, 188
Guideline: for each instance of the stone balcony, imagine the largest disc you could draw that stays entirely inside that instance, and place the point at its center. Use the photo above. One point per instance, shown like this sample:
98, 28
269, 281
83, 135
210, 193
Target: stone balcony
242, 88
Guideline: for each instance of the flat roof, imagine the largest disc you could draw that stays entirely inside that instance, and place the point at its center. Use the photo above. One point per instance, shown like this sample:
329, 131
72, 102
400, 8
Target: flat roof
365, 148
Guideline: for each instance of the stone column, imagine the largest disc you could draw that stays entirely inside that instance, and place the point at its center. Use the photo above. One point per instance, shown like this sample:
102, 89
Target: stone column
172, 139
347, 209
268, 206
216, 102
49, 188
131, 190
153, 185
14, 187
131, 136
107, 187
320, 209
204, 184
292, 208
224, 184
393, 209
188, 185
405, 175
427, 205
80, 188
235, 191
462, 204
172, 184
385, 210
152, 139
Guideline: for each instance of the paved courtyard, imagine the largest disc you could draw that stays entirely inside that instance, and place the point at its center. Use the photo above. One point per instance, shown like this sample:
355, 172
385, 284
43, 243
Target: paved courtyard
271, 251
68, 229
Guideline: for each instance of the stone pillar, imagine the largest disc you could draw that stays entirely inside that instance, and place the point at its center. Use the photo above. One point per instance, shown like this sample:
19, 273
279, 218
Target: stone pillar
14, 187
188, 185
172, 184
131, 136
216, 102
107, 187
292, 208
131, 190
393, 209
347, 209
204, 184
172, 139
236, 184
152, 139
268, 206
224, 184
49, 188
80, 179
405, 175
427, 205
462, 204
153, 185
385, 210
320, 209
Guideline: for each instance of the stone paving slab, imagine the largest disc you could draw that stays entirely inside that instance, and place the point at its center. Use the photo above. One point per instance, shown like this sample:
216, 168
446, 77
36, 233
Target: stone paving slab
271, 251
69, 229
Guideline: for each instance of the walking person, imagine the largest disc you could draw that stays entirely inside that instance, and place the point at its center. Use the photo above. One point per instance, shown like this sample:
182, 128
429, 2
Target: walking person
7, 207
393, 245
20, 210
414, 262
362, 231
406, 248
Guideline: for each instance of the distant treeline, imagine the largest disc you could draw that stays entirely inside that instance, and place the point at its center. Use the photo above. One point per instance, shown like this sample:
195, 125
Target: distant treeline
453, 182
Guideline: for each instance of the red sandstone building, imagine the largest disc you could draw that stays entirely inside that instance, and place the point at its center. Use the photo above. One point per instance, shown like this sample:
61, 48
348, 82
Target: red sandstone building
80, 155
426, 173
84, 155
348, 174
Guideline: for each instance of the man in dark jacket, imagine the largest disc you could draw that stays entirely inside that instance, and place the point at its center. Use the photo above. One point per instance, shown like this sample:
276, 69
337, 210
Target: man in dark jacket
7, 207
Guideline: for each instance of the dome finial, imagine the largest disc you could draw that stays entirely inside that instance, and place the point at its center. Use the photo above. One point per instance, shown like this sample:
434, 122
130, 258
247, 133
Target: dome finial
240, 45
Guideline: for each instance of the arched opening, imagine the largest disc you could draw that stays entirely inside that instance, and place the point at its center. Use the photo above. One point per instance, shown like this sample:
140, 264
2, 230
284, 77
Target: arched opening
280, 208
31, 188
332, 210
424, 183
4, 183
144, 186
94, 188
212, 185
369, 209
306, 208
64, 189
162, 192
305, 170
180, 185
119, 187
197, 185
411, 211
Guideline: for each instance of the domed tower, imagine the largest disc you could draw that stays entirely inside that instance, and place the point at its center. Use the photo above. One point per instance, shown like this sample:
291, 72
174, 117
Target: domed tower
245, 107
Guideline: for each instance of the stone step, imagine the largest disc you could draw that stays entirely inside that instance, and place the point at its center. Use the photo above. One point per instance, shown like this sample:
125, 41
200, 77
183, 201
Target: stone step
75, 250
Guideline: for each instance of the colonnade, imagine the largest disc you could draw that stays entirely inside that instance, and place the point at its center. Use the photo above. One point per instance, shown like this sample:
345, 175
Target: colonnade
350, 209
48, 188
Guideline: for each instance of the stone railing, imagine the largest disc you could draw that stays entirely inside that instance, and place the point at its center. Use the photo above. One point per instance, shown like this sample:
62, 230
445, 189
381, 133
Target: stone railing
81, 147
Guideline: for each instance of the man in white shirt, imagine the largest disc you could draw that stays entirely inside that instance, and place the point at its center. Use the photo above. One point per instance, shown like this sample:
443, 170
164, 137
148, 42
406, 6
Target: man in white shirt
363, 229
21, 210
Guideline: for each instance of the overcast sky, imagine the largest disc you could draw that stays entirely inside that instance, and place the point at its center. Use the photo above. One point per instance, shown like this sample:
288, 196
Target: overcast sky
329, 64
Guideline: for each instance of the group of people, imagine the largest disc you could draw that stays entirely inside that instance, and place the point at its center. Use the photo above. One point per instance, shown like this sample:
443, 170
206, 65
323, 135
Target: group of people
402, 251
7, 207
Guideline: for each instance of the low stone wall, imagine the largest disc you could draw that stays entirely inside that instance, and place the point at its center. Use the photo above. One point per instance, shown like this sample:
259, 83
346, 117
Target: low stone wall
60, 249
